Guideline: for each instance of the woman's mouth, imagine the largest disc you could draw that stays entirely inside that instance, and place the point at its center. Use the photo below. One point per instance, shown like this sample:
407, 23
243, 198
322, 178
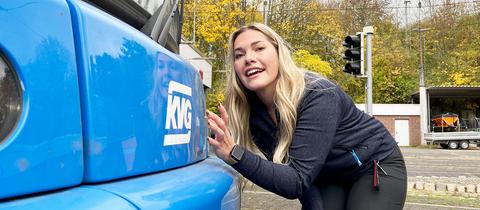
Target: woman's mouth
252, 72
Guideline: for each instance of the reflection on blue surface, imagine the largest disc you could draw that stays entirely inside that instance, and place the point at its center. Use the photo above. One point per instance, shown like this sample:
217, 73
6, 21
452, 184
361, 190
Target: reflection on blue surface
45, 150
129, 124
209, 184
77, 198
99, 93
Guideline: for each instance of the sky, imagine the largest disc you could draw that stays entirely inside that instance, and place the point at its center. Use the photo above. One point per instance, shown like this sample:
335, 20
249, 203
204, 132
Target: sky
412, 12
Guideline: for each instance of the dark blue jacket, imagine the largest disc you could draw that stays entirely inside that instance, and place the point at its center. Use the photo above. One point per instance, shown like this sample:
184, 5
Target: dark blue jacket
330, 134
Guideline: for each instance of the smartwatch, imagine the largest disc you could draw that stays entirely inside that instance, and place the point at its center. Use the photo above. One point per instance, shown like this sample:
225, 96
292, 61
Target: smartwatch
236, 153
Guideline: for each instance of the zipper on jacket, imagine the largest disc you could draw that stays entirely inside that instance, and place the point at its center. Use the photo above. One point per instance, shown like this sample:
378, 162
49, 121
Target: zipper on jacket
355, 157
352, 151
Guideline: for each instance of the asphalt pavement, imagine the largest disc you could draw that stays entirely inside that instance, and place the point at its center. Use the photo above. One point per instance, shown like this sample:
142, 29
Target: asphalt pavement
422, 163
442, 162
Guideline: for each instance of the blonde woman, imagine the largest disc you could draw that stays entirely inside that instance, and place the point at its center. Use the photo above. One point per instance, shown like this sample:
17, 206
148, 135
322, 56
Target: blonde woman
319, 147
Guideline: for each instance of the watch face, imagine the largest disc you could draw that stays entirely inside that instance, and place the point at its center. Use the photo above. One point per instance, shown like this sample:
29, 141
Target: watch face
237, 153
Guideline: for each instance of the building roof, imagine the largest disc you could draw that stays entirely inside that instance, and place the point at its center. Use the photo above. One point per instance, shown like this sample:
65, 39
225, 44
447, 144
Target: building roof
393, 109
451, 92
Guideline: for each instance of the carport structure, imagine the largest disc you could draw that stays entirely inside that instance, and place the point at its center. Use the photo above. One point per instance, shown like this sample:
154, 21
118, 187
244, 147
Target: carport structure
463, 101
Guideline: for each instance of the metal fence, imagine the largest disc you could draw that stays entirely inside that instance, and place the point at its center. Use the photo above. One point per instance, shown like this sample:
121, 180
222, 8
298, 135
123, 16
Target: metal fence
471, 124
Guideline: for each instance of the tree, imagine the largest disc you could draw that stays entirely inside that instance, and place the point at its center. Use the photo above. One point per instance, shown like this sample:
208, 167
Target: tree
452, 56
316, 29
395, 72
214, 21
312, 62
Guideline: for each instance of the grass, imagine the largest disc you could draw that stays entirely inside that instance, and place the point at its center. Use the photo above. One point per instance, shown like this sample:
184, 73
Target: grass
439, 199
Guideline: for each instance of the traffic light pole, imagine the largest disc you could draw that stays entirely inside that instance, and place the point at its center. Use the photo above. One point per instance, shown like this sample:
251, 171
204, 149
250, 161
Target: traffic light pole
368, 31
356, 58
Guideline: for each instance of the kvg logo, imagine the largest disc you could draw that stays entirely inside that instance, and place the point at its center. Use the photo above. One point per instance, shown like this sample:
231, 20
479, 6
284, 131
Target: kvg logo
179, 114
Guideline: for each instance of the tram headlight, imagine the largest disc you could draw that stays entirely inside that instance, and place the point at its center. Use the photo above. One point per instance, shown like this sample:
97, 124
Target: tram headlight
10, 99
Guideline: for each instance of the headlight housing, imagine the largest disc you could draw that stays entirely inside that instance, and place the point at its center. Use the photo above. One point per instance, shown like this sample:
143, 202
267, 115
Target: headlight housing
10, 99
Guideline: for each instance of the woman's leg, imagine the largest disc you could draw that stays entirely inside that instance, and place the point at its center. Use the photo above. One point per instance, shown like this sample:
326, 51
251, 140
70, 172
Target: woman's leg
325, 196
392, 188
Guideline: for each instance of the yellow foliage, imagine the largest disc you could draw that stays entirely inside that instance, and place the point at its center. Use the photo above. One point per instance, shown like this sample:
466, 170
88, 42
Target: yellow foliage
213, 99
312, 62
215, 20
316, 31
460, 79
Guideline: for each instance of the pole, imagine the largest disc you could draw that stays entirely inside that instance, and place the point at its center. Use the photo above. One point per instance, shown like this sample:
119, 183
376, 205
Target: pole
369, 74
421, 67
368, 30
407, 35
269, 9
265, 14
422, 90
194, 20
243, 7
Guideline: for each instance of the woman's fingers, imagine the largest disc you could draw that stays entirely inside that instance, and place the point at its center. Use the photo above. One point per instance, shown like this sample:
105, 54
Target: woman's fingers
213, 142
220, 149
219, 121
219, 133
223, 114
223, 142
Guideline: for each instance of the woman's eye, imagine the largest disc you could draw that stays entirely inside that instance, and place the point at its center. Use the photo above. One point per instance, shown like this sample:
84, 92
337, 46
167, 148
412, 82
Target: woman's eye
260, 48
237, 56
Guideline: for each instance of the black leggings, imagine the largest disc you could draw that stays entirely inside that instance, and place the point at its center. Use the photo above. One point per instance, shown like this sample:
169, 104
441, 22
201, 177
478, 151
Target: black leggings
361, 194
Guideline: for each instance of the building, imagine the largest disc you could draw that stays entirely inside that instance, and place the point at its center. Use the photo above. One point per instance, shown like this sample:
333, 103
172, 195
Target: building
401, 120
196, 58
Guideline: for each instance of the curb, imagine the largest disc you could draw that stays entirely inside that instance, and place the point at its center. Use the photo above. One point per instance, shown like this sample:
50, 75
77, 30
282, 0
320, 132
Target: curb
468, 187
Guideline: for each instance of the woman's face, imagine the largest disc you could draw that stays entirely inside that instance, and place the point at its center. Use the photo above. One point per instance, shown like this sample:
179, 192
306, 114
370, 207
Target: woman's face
255, 61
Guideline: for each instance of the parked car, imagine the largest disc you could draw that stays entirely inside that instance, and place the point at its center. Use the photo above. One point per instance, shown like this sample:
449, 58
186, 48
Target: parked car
97, 111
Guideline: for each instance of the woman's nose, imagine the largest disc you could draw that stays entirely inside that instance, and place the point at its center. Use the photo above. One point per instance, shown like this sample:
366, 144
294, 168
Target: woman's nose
250, 57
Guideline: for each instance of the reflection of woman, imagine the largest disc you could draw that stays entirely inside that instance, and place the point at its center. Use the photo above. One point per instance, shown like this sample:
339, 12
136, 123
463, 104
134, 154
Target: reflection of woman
320, 147
161, 75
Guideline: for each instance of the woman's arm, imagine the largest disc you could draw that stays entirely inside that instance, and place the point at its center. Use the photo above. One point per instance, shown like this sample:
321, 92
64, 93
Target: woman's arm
317, 121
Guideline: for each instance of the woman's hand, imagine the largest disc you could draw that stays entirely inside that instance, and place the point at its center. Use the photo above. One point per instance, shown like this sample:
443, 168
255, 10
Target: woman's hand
223, 142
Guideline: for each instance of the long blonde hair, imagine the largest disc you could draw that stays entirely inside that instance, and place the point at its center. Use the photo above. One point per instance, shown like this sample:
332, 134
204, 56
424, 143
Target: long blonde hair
288, 93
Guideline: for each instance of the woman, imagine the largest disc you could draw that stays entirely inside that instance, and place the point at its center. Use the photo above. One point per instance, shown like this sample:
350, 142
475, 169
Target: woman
319, 147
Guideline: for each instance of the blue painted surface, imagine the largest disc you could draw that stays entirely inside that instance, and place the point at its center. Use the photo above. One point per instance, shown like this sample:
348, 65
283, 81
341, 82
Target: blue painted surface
45, 150
124, 80
83, 198
138, 104
209, 184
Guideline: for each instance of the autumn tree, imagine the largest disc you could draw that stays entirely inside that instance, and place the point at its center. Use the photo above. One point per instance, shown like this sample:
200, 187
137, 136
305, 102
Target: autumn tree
315, 30
211, 22
452, 56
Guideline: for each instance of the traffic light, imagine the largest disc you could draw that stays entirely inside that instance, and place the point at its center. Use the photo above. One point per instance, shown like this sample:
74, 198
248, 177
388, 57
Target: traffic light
354, 54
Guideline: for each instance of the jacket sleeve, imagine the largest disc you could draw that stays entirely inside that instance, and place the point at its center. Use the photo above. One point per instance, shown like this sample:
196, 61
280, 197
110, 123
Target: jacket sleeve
317, 121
